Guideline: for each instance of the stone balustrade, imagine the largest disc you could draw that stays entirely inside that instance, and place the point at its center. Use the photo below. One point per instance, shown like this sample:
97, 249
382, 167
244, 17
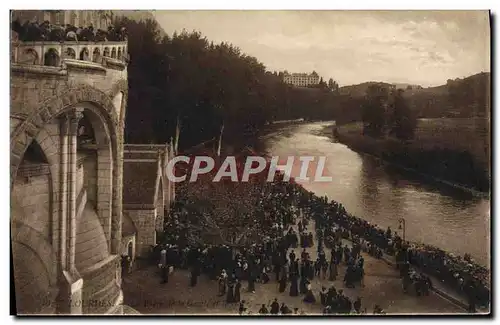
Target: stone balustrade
55, 53
100, 285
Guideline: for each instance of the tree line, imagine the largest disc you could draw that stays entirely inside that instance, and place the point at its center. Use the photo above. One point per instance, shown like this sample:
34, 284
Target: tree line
385, 111
184, 87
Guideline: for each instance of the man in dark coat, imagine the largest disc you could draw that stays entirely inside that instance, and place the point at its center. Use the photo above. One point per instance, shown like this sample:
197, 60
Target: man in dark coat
275, 307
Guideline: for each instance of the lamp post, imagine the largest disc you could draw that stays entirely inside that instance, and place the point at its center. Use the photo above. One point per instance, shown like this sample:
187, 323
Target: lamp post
402, 226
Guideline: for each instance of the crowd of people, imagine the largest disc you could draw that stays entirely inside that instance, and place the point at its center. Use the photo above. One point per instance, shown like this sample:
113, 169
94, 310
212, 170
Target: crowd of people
33, 31
270, 256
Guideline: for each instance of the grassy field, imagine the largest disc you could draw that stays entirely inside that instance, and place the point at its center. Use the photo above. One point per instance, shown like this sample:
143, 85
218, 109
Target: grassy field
444, 133
445, 140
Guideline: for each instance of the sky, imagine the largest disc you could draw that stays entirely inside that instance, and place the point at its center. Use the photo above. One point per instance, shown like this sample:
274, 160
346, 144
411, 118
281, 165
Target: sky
416, 47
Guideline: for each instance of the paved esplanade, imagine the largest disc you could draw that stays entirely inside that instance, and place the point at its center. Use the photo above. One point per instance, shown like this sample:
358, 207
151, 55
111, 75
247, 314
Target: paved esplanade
382, 286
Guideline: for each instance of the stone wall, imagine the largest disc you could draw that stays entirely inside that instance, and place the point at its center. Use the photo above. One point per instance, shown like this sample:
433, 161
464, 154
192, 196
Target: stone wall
39, 95
31, 201
32, 281
90, 169
144, 221
29, 90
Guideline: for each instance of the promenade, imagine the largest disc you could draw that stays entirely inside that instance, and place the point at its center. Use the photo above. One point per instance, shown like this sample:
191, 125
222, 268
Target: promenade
143, 291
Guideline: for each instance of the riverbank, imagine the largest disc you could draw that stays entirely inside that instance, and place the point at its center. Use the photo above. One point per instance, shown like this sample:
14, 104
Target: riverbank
455, 167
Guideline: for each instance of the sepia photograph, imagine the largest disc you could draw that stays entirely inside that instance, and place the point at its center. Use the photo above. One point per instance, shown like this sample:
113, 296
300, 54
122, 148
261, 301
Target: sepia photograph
250, 162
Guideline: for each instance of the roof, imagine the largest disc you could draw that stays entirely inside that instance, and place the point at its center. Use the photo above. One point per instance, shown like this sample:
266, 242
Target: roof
128, 227
139, 182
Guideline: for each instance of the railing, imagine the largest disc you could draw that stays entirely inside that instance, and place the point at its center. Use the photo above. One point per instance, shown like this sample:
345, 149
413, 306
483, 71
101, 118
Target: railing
55, 53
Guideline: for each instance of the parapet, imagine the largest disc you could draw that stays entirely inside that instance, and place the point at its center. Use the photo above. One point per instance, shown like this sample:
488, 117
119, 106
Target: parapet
84, 55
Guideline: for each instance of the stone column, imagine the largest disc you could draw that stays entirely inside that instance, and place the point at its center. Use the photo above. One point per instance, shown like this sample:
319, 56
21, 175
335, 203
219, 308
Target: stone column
74, 118
70, 288
116, 219
63, 191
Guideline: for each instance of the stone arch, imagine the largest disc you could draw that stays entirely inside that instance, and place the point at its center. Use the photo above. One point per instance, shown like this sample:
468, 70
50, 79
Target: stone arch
66, 100
159, 200
51, 150
104, 161
35, 241
96, 55
54, 106
106, 52
120, 86
113, 53
119, 57
29, 56
52, 58
84, 54
70, 53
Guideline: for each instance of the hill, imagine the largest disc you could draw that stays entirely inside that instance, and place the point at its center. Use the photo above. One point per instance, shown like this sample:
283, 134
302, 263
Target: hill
359, 90
465, 97
406, 86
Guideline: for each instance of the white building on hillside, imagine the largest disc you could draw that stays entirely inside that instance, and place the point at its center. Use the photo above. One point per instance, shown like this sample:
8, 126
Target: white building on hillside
301, 79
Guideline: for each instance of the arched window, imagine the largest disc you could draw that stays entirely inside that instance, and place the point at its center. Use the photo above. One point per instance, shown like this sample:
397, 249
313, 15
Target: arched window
106, 51
85, 132
52, 58
119, 53
34, 154
96, 55
70, 53
30, 57
84, 54
113, 53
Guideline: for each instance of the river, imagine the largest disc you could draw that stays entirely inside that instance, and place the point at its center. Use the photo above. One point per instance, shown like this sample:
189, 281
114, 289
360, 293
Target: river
435, 214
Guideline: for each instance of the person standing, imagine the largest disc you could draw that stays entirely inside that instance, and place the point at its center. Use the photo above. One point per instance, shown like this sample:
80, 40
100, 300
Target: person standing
222, 283
237, 291
195, 272
230, 293
283, 280
294, 290
333, 271
275, 307
309, 298
163, 265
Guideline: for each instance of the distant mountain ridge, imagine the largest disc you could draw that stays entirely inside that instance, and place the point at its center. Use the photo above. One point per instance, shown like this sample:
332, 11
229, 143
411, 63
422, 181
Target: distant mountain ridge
460, 97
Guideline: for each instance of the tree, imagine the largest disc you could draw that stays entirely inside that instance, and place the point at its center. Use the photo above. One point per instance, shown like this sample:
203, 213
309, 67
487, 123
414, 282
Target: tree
373, 110
333, 85
189, 89
403, 122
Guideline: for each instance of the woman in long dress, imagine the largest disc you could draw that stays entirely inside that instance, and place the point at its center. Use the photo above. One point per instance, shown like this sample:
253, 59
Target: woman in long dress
303, 285
230, 293
294, 290
333, 271
309, 298
283, 280
237, 289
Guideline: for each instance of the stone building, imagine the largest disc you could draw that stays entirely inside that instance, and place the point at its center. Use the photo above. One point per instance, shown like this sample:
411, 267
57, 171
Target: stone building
66, 166
301, 79
147, 194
